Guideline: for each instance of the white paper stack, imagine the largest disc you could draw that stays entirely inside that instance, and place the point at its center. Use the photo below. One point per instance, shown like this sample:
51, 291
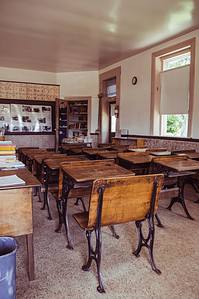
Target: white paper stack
11, 180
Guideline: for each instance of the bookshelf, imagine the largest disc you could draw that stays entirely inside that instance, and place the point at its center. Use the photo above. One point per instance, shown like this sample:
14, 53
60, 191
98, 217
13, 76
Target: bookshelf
63, 121
77, 118
72, 118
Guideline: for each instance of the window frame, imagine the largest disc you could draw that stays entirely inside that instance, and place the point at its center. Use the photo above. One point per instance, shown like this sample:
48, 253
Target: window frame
156, 67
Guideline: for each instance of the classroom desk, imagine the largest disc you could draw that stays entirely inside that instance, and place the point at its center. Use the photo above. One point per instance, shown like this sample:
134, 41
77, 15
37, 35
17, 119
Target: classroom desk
105, 145
92, 153
179, 168
16, 211
39, 158
191, 155
67, 147
20, 151
180, 165
138, 162
81, 173
120, 148
50, 175
76, 150
26, 156
108, 155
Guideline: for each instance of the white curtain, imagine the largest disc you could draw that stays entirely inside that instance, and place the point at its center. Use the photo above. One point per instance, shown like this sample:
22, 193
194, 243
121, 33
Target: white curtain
174, 86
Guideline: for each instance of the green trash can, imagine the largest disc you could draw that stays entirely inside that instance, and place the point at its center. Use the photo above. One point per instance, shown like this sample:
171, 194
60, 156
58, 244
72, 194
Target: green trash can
7, 268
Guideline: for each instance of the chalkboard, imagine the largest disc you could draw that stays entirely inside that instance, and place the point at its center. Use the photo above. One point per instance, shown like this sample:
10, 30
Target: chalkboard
26, 117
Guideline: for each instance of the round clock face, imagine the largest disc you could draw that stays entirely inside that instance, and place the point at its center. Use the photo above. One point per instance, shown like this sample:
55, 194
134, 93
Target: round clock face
134, 80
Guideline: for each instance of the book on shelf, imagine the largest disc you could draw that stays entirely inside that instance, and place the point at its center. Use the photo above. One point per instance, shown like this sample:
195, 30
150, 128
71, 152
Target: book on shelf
11, 180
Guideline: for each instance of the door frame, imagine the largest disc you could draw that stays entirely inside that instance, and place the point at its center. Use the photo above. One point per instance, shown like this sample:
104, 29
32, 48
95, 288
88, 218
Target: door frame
104, 103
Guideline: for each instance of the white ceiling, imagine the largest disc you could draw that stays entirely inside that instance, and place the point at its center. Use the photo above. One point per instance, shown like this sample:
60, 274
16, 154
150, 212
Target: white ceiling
74, 35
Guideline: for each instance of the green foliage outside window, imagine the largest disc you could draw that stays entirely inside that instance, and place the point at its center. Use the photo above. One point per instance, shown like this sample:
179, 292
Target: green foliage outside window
176, 124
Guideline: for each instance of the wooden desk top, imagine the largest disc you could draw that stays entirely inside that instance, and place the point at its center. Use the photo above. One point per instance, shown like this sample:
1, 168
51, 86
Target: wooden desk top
42, 156
193, 155
54, 163
68, 146
108, 154
24, 174
179, 164
138, 158
77, 150
105, 145
30, 153
88, 172
94, 151
157, 149
120, 148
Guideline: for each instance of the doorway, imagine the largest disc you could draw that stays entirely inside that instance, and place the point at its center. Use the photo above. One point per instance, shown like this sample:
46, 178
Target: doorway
112, 121
109, 98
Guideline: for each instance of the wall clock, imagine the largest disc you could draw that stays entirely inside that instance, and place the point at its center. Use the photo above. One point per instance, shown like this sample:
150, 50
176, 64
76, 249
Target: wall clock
134, 80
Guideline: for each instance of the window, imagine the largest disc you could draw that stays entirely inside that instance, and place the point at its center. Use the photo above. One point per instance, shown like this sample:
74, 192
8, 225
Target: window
176, 61
111, 87
174, 96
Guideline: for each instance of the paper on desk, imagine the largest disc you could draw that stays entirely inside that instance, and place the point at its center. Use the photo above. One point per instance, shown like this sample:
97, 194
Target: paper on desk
138, 149
11, 180
165, 153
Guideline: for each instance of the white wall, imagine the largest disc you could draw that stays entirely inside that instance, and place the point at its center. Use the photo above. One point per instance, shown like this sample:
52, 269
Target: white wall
81, 84
13, 74
135, 99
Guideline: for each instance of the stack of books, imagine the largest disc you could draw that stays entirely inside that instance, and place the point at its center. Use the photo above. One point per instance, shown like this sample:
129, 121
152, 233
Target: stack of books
8, 158
7, 150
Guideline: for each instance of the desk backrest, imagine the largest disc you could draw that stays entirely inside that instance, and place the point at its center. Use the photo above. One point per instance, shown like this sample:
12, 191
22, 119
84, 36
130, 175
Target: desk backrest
183, 151
169, 158
87, 163
132, 154
124, 199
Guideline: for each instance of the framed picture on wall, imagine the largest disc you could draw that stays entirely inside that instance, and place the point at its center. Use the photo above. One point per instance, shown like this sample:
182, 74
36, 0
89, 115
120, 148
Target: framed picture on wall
27, 117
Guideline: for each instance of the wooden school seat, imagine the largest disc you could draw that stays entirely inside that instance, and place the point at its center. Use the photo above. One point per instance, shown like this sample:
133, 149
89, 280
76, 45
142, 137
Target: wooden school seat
121, 200
50, 181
